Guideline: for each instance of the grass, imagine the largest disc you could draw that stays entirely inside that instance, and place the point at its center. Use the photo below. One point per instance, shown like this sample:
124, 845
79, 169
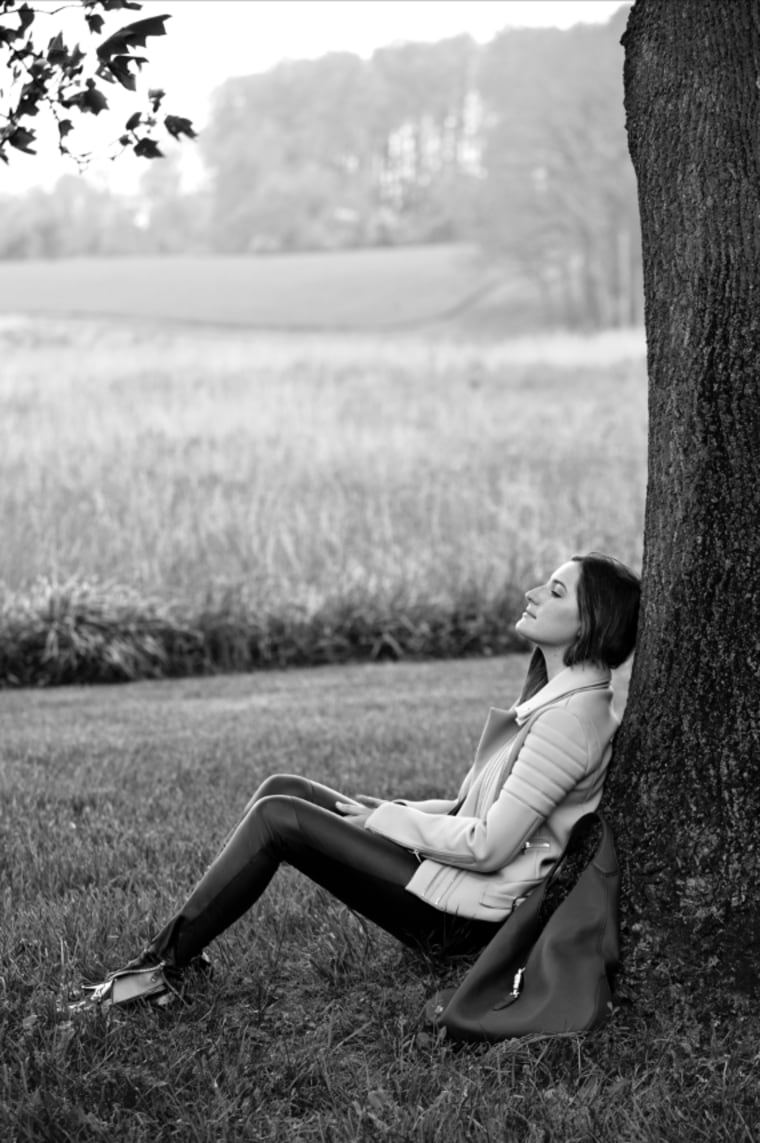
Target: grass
112, 803
356, 289
311, 477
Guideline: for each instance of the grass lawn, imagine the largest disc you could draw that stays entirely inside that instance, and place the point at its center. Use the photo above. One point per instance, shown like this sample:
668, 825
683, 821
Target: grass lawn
113, 800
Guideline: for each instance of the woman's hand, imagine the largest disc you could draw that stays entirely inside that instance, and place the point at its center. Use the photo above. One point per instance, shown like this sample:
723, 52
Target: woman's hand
355, 813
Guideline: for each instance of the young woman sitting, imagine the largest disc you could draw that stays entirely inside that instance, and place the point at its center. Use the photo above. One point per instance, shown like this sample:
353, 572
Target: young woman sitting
442, 873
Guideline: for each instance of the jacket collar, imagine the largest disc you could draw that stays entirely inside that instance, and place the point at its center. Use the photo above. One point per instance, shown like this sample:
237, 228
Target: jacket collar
577, 678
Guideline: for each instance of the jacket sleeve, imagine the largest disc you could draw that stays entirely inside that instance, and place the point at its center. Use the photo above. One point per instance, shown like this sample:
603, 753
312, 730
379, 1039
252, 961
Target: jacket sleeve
552, 760
429, 806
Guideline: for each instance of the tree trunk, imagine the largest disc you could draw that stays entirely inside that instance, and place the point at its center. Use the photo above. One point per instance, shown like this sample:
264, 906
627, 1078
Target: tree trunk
684, 791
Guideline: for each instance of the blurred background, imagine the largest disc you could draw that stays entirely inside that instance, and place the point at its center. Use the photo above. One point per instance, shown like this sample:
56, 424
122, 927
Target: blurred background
509, 139
371, 345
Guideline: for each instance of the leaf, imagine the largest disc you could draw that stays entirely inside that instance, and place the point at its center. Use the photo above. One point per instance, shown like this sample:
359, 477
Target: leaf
132, 36
133, 120
64, 127
74, 62
25, 16
8, 34
21, 139
57, 51
148, 149
95, 23
156, 95
112, 5
93, 100
176, 126
30, 97
118, 66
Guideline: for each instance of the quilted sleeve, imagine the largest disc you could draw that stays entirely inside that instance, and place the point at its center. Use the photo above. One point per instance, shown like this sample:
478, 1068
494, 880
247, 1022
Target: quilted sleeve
551, 762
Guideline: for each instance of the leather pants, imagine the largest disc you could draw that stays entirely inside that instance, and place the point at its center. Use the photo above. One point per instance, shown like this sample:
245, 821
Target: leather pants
294, 820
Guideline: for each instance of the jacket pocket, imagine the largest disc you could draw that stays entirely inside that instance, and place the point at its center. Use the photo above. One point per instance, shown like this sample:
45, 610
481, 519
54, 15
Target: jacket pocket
440, 885
506, 895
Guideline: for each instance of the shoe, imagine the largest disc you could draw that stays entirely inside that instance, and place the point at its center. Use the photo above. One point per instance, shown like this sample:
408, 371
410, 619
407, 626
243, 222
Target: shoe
199, 967
144, 978
126, 987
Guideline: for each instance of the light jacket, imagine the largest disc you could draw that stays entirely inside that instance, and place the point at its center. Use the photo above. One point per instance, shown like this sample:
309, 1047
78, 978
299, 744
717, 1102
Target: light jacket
538, 768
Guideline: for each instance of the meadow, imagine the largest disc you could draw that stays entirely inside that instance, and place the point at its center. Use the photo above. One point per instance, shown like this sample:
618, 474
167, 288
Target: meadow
360, 489
319, 495
310, 1031
348, 290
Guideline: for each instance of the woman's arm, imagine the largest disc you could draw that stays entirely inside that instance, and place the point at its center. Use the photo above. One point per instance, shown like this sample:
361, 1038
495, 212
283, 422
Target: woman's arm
551, 762
359, 809
429, 806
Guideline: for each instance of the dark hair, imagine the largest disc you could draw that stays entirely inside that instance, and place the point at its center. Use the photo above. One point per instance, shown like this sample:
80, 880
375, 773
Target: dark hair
608, 605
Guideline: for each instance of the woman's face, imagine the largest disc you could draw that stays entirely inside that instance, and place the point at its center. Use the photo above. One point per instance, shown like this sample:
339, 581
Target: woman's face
551, 618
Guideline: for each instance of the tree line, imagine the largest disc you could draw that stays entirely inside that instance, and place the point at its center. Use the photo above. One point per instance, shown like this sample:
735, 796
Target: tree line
517, 146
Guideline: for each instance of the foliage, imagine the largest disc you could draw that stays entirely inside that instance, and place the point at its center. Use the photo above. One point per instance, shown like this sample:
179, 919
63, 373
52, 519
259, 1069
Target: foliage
341, 152
61, 79
113, 801
74, 219
422, 143
82, 632
555, 158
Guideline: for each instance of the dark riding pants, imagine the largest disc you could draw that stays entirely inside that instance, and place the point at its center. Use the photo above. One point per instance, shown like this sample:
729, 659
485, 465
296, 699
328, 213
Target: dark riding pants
294, 820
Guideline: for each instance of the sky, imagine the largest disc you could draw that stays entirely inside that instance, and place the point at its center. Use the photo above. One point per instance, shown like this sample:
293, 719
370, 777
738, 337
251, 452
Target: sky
209, 41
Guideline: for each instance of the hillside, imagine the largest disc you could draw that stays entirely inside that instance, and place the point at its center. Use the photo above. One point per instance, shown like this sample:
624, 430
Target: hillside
346, 290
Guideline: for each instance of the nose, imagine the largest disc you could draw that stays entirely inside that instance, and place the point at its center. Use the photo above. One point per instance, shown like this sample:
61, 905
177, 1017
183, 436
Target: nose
530, 595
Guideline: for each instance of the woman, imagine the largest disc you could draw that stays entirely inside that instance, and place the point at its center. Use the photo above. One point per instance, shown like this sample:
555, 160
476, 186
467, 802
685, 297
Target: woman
444, 873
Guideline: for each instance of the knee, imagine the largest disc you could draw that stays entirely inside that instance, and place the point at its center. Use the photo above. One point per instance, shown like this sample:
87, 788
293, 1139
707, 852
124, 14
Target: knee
273, 818
289, 785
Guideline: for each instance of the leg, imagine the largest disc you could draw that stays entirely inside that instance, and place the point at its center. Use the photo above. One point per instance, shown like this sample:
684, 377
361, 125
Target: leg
294, 786
367, 872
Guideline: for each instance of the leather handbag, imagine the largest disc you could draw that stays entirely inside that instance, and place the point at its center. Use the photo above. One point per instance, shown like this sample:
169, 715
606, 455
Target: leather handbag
550, 967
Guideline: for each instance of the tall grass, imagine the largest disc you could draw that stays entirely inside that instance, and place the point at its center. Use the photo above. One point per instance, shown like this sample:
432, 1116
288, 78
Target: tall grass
267, 475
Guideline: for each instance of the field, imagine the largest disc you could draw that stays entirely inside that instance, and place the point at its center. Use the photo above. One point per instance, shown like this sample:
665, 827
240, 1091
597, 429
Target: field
300, 473
154, 469
357, 289
114, 800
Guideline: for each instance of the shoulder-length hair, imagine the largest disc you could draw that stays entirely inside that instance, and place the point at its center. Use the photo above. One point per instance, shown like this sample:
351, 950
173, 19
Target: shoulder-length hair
609, 594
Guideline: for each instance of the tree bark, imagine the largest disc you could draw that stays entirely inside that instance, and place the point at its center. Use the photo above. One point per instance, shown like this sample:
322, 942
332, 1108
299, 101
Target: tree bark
684, 791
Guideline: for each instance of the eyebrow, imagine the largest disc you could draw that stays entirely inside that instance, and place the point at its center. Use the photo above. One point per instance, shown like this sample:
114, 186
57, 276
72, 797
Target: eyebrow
559, 581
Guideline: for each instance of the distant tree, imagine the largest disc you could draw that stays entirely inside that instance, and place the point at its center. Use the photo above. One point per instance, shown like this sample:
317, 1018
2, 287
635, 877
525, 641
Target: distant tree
282, 151
559, 197
685, 783
341, 151
171, 219
425, 106
48, 75
74, 218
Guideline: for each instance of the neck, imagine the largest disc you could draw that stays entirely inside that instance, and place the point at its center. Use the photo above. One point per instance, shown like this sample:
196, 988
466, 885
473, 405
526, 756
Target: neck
554, 661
